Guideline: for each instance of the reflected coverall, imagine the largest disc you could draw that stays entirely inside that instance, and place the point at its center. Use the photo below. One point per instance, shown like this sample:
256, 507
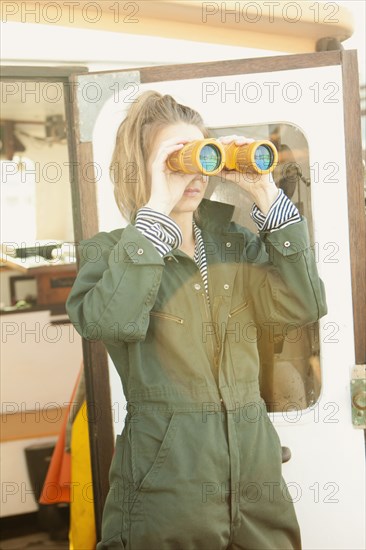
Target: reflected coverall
198, 463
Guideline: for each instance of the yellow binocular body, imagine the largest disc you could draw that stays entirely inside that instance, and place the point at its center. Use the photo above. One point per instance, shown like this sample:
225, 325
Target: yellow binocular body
210, 156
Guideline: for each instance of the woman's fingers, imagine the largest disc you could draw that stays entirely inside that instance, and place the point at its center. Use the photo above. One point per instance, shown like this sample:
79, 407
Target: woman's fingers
167, 148
169, 144
163, 154
249, 177
239, 140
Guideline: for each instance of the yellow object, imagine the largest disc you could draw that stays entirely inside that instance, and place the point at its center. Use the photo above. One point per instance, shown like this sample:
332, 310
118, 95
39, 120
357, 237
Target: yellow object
82, 534
201, 155
260, 157
210, 156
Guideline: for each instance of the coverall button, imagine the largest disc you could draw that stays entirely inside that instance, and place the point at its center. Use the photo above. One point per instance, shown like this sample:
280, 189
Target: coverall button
140, 251
226, 286
228, 244
169, 258
286, 244
197, 286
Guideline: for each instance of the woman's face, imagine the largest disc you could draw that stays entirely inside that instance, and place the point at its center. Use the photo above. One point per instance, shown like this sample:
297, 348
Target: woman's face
197, 183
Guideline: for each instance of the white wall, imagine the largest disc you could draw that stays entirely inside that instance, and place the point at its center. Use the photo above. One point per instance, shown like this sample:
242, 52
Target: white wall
53, 189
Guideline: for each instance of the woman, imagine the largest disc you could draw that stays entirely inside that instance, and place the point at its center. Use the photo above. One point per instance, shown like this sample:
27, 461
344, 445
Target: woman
177, 297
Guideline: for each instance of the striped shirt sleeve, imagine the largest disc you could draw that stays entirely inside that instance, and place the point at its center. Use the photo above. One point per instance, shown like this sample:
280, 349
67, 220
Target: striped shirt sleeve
200, 257
282, 213
160, 229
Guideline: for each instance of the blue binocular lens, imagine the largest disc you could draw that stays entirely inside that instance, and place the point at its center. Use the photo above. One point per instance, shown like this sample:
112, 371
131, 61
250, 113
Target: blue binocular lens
263, 157
210, 158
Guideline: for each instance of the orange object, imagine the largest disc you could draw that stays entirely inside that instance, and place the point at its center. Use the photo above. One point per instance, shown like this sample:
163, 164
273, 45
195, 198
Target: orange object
201, 155
260, 157
56, 487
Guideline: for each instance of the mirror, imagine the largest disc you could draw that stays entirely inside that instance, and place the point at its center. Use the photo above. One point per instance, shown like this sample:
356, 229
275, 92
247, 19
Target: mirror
41, 352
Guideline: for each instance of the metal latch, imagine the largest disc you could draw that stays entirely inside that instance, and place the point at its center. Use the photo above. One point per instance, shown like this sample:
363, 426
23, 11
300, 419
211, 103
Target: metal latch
358, 396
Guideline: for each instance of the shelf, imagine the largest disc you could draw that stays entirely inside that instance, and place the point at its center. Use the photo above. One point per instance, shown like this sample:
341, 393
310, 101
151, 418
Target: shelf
34, 265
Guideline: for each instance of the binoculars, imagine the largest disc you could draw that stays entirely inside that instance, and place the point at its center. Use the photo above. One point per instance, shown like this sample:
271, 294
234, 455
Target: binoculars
209, 156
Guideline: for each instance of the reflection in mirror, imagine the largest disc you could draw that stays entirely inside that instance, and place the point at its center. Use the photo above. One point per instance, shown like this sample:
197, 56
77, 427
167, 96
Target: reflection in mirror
41, 352
34, 161
35, 185
290, 368
18, 194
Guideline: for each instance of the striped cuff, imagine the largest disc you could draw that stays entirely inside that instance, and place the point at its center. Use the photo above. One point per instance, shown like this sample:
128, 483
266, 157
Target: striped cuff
282, 213
160, 229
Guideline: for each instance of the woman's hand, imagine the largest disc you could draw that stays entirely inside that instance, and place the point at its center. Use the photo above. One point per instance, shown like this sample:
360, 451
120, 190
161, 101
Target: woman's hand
167, 187
261, 187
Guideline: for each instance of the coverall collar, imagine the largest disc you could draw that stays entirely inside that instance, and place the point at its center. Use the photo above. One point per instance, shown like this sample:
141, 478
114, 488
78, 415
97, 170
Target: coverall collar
214, 216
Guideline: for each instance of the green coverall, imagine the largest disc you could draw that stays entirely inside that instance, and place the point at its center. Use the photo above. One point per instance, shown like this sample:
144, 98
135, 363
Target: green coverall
198, 463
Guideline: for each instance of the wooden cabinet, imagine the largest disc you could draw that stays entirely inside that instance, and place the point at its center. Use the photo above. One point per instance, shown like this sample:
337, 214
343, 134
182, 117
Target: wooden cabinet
53, 282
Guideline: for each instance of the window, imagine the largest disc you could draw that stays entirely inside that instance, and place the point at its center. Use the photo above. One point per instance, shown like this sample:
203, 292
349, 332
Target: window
18, 192
290, 369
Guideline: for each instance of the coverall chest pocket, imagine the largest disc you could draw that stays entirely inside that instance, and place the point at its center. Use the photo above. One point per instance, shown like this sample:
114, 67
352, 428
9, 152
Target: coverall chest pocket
241, 340
166, 326
152, 436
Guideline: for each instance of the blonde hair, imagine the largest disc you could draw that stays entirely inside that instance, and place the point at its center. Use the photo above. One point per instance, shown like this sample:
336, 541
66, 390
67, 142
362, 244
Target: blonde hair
151, 112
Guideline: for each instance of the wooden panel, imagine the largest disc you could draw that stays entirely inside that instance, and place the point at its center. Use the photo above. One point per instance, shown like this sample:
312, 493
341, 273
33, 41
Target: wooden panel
41, 74
31, 424
282, 26
85, 217
240, 66
233, 66
356, 200
49, 289
101, 432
